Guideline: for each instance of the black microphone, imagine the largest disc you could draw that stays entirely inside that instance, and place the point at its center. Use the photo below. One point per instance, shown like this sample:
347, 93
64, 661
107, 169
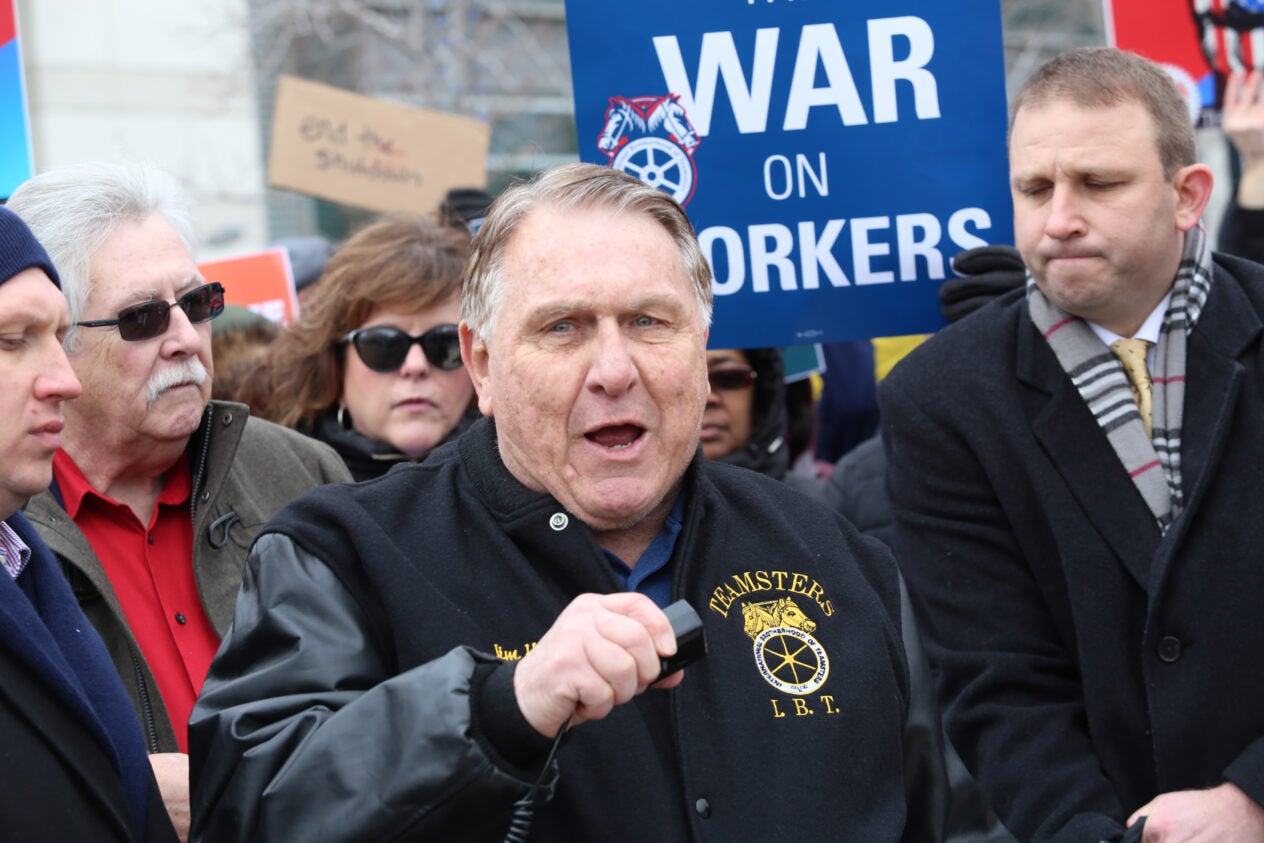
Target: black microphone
691, 638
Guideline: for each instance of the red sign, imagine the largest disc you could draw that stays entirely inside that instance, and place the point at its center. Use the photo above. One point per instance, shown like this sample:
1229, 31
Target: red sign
262, 281
1198, 41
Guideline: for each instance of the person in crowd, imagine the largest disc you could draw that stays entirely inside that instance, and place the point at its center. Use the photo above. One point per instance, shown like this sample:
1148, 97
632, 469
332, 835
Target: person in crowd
408, 652
240, 339
1070, 472
745, 421
1242, 228
847, 412
75, 765
801, 427
465, 208
157, 492
373, 365
309, 255
751, 417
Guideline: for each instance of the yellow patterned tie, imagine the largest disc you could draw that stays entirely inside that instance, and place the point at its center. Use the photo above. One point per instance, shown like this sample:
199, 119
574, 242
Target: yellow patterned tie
1132, 354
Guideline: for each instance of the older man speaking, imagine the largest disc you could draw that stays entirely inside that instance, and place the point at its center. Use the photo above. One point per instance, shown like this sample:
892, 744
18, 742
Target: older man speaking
406, 651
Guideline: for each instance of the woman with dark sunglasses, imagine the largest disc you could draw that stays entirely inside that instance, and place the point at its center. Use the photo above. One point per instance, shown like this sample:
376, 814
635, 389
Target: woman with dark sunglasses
373, 365
746, 420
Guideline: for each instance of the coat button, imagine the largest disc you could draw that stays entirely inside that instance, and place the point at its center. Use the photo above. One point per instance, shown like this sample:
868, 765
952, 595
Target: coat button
703, 807
180, 618
227, 419
206, 496
559, 521
1169, 649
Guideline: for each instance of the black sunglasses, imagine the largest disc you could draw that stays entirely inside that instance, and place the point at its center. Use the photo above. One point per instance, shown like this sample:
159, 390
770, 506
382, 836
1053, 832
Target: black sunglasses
731, 377
150, 319
384, 349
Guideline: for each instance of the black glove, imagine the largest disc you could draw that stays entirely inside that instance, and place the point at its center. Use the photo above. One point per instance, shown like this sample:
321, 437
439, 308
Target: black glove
1134, 832
985, 273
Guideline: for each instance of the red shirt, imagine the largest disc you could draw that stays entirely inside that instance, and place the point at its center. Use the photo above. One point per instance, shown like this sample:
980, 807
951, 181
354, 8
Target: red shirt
151, 570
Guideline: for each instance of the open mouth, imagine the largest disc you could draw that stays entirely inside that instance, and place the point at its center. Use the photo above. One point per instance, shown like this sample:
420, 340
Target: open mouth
616, 437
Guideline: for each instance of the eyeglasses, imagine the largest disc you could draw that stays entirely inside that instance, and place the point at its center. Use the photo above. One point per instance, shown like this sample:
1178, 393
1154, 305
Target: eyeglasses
150, 319
731, 377
384, 349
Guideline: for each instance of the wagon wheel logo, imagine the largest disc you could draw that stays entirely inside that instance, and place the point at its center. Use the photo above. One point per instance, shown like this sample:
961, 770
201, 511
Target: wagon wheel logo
659, 163
791, 660
652, 139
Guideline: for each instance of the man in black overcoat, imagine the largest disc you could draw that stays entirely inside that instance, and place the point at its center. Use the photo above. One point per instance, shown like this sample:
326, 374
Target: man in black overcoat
1077, 512
72, 760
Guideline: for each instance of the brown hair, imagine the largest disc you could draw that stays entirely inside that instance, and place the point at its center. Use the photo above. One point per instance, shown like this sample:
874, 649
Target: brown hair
238, 352
400, 263
1099, 77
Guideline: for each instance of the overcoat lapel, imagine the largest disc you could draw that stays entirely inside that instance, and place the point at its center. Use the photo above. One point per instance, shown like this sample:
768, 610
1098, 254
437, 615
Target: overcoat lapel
67, 737
1083, 457
1215, 378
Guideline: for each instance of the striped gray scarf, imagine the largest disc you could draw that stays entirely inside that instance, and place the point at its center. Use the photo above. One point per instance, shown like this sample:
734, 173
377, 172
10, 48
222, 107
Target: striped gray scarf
1101, 381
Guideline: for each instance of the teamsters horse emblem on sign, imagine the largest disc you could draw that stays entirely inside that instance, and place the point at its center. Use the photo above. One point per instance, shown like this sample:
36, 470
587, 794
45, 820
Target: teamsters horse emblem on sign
788, 657
652, 139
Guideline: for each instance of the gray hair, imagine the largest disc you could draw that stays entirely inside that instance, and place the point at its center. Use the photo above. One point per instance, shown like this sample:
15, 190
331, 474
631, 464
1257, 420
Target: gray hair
566, 188
73, 210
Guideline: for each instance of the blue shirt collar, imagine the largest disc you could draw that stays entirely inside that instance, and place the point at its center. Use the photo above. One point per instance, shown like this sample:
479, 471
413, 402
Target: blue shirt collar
652, 574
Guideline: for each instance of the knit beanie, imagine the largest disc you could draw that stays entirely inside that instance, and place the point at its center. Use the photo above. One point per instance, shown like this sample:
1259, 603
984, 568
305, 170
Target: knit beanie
20, 250
308, 257
465, 206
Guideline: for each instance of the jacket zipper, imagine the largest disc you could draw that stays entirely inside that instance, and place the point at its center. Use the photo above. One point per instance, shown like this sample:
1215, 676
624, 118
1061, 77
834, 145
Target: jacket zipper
201, 470
147, 709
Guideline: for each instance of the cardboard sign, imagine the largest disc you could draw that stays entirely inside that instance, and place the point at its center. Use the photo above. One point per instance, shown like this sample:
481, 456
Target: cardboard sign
371, 153
15, 139
1185, 36
832, 156
262, 281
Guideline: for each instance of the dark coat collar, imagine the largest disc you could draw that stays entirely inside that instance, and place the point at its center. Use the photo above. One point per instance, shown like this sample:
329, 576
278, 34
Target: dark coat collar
1066, 430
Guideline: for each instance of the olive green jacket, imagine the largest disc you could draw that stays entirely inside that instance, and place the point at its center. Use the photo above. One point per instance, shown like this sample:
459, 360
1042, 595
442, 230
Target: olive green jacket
244, 471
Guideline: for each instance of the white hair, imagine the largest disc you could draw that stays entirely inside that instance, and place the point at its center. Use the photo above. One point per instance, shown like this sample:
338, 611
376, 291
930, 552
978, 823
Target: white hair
73, 210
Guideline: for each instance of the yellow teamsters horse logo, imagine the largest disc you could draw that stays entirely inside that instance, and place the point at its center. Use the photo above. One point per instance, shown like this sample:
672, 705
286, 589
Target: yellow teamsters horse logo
787, 655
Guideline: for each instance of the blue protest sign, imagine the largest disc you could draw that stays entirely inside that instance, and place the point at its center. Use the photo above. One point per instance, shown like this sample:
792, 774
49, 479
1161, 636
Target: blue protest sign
832, 156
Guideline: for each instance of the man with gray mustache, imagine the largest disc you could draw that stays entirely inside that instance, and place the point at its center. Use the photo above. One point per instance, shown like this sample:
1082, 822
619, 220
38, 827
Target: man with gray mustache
191, 371
157, 491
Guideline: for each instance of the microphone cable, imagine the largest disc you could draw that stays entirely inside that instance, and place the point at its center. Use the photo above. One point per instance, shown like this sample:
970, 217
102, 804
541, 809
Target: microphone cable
524, 808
